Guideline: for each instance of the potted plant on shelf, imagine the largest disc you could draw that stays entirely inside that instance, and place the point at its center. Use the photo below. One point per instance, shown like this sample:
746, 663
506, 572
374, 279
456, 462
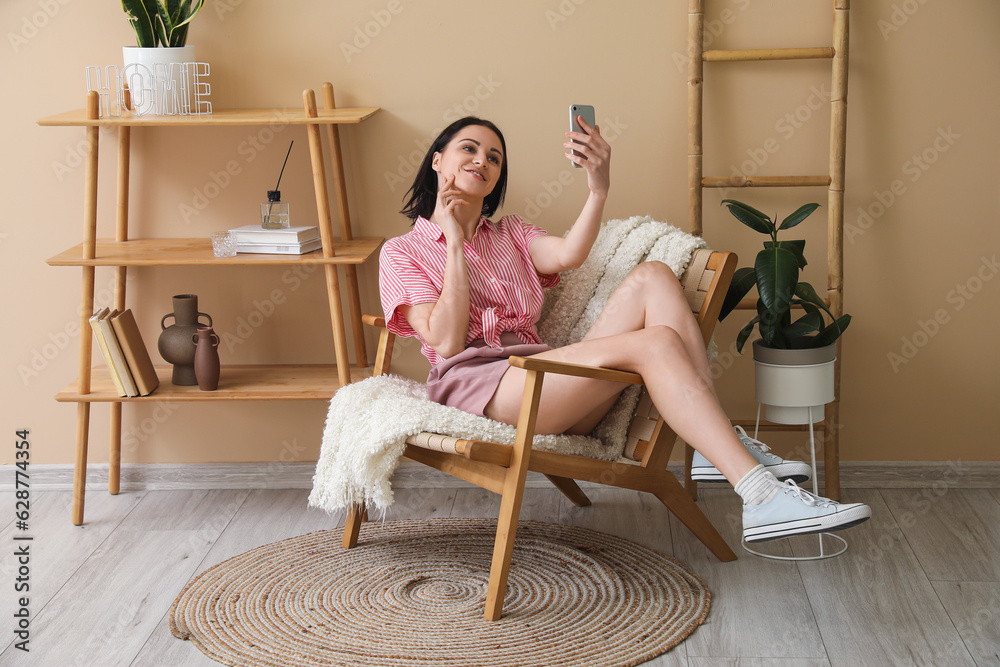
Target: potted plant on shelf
161, 28
794, 359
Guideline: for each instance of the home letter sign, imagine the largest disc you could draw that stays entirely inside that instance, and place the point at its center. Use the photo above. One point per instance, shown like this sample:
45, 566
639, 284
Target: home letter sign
171, 89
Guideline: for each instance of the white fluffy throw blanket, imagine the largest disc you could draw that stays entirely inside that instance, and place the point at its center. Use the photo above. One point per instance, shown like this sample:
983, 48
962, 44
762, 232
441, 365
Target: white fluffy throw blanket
369, 421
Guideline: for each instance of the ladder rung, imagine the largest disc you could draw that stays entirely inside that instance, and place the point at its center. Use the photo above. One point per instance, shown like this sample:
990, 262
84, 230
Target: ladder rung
763, 181
736, 55
750, 303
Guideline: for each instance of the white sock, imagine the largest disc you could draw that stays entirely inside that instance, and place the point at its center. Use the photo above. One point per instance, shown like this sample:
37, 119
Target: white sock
758, 486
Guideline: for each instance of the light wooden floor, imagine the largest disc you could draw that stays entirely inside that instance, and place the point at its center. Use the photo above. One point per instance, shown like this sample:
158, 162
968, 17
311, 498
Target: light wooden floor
920, 584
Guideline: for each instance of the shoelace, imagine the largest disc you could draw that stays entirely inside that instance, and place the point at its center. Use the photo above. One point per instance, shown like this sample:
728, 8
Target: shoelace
751, 442
807, 497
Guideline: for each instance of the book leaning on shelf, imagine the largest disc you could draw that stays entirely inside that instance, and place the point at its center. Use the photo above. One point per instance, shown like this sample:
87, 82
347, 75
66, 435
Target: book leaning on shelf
112, 352
134, 350
121, 345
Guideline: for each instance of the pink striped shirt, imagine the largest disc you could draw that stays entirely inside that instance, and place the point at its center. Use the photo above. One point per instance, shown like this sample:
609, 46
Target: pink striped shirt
505, 290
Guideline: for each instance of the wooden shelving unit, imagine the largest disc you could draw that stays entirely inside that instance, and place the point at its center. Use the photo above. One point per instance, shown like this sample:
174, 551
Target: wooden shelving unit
289, 382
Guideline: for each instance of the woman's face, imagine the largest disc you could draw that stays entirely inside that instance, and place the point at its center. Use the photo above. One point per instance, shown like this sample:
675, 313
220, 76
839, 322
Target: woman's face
473, 157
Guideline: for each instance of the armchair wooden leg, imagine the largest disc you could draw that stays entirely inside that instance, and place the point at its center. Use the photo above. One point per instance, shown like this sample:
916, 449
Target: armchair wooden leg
513, 492
355, 517
503, 548
690, 485
677, 501
571, 490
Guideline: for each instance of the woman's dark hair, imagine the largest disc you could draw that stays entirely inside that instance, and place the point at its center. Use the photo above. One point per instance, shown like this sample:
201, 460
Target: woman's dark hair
422, 195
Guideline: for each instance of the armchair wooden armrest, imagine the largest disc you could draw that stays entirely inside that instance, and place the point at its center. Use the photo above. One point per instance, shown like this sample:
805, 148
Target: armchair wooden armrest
386, 339
578, 370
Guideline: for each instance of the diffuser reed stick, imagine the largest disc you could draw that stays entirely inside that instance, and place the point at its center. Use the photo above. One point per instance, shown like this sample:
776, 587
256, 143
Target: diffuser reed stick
276, 190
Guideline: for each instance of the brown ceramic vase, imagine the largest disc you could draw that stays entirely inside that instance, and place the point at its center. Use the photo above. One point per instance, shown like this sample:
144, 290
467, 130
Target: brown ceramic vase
206, 359
176, 342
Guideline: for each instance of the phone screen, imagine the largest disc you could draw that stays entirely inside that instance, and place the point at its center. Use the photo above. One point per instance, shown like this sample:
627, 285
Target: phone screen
576, 110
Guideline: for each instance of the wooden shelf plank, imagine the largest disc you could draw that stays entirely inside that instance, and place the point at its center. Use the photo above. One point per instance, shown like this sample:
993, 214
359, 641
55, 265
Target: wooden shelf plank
276, 116
299, 382
192, 252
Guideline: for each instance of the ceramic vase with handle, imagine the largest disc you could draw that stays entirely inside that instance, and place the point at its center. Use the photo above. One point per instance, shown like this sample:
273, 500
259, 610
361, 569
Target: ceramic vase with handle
176, 343
206, 359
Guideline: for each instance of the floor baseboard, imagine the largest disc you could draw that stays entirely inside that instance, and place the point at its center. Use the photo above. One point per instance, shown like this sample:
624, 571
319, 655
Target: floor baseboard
409, 474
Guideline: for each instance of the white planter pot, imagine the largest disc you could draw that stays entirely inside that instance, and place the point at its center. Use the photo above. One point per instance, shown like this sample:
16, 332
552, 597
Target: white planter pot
790, 382
157, 90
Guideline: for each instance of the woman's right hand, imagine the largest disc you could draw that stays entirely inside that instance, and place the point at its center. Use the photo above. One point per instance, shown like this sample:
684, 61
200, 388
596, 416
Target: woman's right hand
449, 198
444, 324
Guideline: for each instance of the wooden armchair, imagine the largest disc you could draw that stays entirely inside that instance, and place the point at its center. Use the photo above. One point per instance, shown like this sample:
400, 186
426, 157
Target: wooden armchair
502, 468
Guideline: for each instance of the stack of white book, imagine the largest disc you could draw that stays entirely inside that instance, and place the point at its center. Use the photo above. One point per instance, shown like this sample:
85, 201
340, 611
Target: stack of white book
286, 241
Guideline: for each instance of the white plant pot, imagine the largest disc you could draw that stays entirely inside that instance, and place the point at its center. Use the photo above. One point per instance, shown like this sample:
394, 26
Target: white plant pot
152, 94
790, 382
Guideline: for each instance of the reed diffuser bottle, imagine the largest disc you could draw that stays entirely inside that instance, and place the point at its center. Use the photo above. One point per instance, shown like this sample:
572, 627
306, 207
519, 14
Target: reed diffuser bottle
274, 212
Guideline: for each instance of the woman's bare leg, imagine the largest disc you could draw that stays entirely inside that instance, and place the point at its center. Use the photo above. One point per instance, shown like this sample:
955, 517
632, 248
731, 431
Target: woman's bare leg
646, 328
649, 296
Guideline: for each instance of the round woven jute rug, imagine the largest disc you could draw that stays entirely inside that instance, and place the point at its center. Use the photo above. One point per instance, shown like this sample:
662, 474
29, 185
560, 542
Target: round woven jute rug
413, 593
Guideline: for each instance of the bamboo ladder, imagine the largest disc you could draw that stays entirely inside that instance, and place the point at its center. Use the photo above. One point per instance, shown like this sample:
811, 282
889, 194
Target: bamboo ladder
697, 56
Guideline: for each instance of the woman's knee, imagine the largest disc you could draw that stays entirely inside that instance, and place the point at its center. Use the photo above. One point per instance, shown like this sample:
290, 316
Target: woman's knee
654, 275
662, 340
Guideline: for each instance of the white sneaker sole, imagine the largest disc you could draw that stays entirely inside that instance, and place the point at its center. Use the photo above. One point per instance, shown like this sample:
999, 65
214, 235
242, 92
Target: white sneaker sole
851, 516
797, 472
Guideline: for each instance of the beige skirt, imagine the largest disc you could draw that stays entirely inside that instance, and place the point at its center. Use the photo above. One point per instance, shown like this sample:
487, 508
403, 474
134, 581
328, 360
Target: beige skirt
469, 379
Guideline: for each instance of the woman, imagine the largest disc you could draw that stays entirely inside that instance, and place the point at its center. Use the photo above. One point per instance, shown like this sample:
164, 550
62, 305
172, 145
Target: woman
471, 290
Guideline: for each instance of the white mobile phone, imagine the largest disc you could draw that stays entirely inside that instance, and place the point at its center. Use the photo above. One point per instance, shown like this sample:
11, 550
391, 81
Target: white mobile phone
576, 110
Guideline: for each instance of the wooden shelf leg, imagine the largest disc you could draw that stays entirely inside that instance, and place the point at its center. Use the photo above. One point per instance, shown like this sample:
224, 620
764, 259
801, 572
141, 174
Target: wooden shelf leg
121, 275
346, 232
326, 232
337, 318
115, 450
86, 308
80, 466
83, 408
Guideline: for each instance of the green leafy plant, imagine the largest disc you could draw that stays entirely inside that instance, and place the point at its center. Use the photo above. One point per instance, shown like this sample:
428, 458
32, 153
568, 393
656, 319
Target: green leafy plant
775, 273
161, 22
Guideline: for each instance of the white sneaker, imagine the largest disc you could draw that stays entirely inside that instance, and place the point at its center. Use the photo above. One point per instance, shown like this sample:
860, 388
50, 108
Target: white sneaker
795, 511
797, 471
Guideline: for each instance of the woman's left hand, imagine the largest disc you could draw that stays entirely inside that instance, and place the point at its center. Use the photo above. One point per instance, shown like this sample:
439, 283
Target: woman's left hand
593, 154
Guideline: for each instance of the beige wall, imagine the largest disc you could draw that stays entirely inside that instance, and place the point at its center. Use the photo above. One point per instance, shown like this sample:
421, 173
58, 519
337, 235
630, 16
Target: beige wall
923, 82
